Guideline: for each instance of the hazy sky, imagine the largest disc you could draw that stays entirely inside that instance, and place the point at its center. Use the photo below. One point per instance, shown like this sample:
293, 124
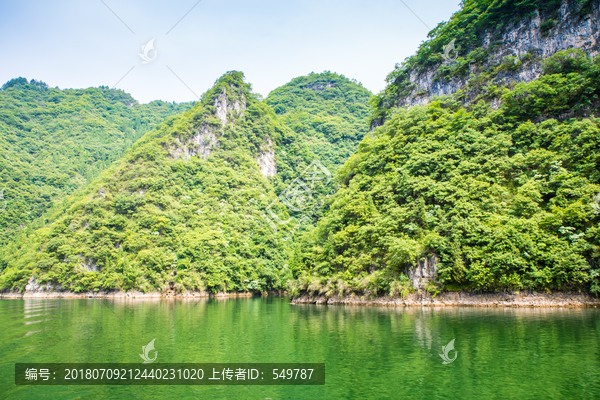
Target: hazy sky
78, 44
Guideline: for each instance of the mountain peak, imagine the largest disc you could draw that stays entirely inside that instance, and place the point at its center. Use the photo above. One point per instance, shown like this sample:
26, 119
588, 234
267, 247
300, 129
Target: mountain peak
230, 86
224, 103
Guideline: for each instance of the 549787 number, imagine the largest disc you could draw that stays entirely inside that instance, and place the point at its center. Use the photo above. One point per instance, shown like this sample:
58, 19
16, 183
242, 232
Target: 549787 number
292, 373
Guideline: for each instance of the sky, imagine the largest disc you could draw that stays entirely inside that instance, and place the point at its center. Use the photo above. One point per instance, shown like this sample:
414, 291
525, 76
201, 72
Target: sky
89, 43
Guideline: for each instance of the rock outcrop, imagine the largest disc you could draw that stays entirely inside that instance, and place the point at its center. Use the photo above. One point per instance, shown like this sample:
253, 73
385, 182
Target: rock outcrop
424, 272
206, 136
200, 144
227, 110
266, 159
571, 31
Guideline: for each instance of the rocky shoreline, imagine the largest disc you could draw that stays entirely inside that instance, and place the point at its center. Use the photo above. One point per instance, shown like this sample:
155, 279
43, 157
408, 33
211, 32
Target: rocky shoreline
54, 294
471, 299
502, 299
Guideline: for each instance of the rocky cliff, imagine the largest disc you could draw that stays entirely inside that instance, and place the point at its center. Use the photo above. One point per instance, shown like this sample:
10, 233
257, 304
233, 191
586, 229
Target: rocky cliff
206, 134
503, 57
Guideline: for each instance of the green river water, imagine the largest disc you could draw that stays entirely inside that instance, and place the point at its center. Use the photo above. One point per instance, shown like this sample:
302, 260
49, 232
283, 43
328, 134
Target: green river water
369, 352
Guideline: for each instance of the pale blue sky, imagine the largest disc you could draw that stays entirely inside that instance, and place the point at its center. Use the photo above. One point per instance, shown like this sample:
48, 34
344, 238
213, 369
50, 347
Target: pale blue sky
78, 44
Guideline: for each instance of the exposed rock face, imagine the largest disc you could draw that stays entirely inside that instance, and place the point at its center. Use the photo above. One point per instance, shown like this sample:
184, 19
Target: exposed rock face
266, 160
571, 31
206, 137
424, 272
199, 144
34, 287
319, 87
226, 109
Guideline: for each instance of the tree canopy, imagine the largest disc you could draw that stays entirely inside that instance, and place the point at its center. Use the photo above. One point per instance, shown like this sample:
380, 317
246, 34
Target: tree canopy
505, 198
53, 142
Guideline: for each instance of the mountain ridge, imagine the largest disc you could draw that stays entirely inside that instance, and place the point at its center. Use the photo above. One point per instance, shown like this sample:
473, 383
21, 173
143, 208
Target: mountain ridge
183, 210
55, 141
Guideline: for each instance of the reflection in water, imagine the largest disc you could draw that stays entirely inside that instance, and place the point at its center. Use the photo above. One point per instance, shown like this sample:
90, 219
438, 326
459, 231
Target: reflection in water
33, 308
422, 331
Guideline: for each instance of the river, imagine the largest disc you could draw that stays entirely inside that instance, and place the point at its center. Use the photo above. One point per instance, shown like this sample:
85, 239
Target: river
369, 352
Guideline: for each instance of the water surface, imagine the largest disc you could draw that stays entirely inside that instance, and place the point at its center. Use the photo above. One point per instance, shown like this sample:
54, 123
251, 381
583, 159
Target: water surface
369, 352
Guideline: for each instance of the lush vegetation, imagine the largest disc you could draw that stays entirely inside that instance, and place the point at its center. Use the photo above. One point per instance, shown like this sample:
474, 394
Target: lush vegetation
53, 142
155, 220
505, 202
502, 191
328, 111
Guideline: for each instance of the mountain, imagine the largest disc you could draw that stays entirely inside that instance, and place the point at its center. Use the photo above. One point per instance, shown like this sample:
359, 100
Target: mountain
193, 204
481, 173
497, 192
178, 210
328, 111
53, 142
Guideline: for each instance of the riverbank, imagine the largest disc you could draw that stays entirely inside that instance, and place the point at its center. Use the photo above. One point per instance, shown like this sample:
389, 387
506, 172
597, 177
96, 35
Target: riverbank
115, 295
502, 299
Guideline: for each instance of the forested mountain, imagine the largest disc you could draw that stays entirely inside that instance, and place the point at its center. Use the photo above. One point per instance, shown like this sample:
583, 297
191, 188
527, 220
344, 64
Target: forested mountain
182, 208
491, 186
500, 192
53, 142
328, 111
193, 204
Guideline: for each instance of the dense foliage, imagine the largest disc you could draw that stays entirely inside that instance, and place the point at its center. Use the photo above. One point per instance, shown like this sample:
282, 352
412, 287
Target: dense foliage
502, 193
328, 111
158, 220
503, 201
53, 142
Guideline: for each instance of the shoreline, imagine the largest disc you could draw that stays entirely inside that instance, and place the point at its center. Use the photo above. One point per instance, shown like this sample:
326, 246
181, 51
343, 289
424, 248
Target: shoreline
462, 298
123, 295
466, 299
